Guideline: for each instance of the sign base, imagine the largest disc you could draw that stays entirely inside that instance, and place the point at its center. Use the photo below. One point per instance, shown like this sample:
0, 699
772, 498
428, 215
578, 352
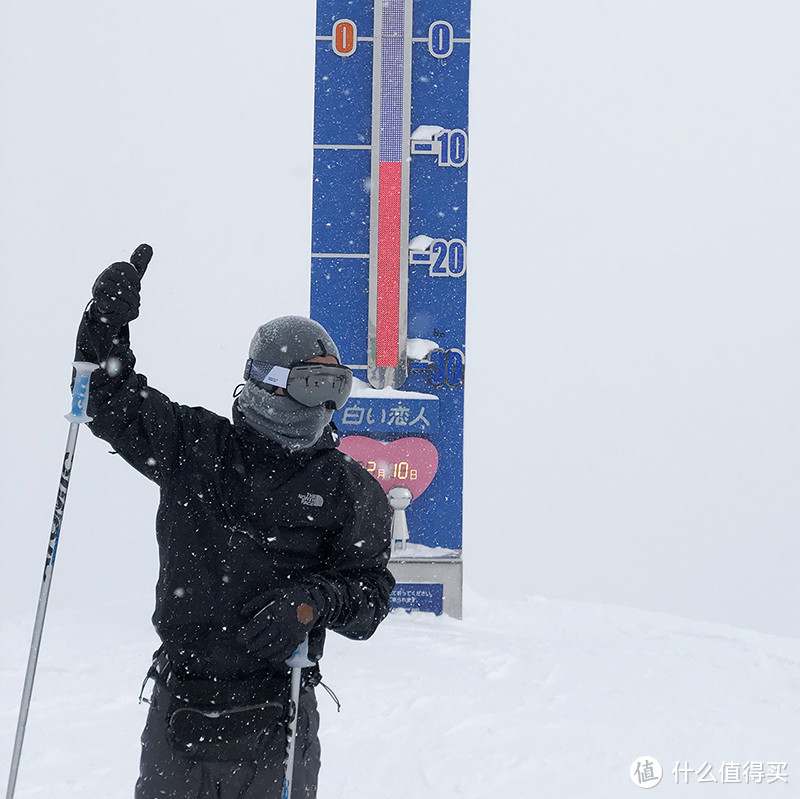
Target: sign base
432, 585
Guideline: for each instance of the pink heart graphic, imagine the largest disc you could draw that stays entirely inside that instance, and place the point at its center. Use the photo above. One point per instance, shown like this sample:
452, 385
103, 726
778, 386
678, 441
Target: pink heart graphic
409, 462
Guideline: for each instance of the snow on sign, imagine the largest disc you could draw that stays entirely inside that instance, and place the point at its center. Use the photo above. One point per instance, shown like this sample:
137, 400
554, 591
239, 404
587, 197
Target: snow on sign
389, 260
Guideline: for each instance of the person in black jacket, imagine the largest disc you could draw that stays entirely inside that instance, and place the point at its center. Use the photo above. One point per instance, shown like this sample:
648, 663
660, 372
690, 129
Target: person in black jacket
266, 534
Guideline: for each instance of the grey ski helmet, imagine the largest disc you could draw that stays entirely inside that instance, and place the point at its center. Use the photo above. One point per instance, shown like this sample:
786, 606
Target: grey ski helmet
289, 340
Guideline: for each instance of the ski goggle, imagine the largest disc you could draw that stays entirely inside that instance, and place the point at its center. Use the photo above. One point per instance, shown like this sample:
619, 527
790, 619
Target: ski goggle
311, 384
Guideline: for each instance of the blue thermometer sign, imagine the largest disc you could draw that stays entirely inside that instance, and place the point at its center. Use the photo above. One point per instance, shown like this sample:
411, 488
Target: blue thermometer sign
390, 258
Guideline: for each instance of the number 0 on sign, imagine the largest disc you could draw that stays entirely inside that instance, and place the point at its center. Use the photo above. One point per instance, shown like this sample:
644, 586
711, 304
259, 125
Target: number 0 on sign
345, 37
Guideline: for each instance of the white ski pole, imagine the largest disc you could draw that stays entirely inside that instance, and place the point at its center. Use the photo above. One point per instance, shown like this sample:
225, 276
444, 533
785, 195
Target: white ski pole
298, 661
76, 417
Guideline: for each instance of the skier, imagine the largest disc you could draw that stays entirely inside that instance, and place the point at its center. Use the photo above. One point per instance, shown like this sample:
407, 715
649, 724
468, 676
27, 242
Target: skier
266, 534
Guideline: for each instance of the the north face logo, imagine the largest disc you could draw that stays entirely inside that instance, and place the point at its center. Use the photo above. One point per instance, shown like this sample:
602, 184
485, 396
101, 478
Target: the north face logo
311, 500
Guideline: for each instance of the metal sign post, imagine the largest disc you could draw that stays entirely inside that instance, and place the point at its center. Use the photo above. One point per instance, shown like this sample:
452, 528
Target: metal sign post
389, 263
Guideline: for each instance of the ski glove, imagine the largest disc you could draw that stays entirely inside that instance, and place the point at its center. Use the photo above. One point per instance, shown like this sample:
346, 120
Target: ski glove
279, 622
115, 293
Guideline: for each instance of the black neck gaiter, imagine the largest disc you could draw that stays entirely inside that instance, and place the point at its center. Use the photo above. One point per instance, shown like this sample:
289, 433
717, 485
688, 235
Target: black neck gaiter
281, 419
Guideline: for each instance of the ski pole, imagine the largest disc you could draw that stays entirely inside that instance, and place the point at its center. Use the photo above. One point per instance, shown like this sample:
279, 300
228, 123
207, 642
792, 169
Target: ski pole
76, 417
298, 661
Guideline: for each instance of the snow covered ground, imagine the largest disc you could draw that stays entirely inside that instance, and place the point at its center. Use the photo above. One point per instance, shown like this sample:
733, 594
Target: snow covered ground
535, 698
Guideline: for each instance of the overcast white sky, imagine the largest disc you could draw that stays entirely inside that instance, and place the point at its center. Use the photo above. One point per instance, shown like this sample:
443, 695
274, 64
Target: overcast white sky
632, 390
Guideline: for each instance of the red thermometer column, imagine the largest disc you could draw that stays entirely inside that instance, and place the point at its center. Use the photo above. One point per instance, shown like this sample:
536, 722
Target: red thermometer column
391, 128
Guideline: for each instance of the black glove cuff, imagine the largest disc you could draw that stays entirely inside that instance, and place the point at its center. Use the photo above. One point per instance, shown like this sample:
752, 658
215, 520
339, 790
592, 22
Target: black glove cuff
322, 599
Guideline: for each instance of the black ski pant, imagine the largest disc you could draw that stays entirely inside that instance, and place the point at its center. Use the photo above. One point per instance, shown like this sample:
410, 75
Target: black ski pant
166, 774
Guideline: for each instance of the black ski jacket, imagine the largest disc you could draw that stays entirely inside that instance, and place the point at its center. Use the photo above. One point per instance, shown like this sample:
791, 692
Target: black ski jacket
238, 516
